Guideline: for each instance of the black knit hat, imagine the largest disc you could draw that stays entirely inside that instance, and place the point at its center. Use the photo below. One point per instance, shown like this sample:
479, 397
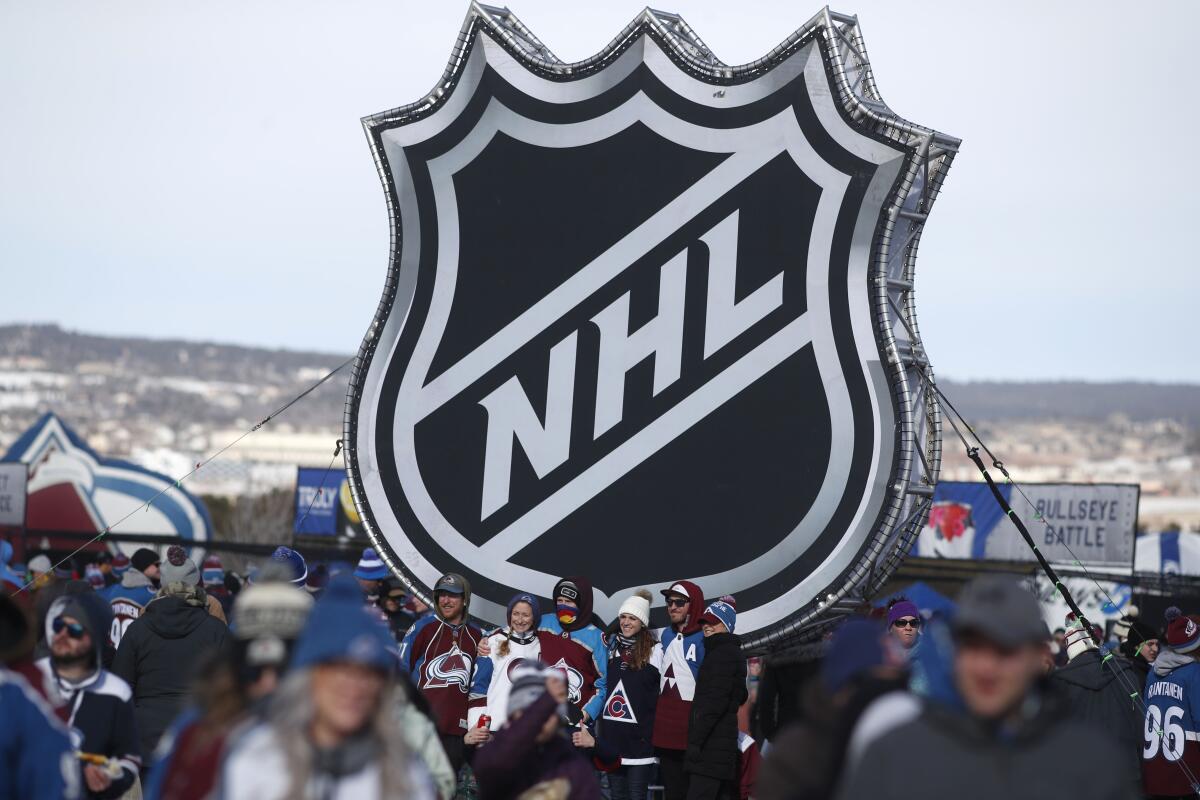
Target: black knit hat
144, 557
1140, 633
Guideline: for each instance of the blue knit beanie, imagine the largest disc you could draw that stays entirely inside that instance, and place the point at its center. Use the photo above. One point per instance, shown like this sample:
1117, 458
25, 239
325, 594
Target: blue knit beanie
371, 567
533, 603
293, 561
857, 647
341, 629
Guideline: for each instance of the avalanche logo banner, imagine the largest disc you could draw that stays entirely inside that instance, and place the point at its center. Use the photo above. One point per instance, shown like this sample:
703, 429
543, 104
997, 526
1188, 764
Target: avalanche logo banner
73, 489
630, 308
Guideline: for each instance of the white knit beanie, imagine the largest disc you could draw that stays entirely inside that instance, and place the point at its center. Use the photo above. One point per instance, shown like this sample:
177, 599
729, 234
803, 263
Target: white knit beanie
637, 605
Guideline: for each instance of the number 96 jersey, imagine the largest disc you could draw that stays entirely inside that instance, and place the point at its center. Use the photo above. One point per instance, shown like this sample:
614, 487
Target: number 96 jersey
1171, 742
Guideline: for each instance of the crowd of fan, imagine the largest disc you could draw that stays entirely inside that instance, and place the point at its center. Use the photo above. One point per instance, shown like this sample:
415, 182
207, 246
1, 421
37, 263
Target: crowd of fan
168, 679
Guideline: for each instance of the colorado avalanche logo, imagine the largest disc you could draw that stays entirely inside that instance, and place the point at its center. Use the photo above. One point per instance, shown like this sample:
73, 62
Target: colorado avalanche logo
449, 669
515, 664
1190, 630
574, 680
618, 708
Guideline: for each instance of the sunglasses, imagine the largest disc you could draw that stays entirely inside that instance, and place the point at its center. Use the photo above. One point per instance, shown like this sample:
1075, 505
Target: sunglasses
74, 629
675, 602
907, 623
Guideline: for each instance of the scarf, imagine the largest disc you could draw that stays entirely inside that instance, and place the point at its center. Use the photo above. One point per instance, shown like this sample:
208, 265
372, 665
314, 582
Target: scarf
521, 638
1168, 660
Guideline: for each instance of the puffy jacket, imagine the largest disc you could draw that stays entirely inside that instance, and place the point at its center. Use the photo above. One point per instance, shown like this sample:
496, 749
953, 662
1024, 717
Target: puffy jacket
514, 761
712, 727
1097, 694
158, 656
1046, 756
34, 746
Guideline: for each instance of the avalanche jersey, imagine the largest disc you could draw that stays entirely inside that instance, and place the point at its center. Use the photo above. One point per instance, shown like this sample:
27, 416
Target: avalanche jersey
585, 689
128, 603
591, 639
493, 679
681, 659
1171, 731
440, 659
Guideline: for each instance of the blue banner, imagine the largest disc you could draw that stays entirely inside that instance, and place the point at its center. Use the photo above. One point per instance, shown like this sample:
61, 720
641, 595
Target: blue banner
317, 491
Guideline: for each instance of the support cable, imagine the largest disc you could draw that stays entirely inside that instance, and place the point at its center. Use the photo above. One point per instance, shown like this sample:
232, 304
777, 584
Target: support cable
178, 484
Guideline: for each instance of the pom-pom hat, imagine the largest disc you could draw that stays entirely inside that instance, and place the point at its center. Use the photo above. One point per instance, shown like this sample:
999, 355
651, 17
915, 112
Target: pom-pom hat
371, 567
1183, 634
178, 568
637, 605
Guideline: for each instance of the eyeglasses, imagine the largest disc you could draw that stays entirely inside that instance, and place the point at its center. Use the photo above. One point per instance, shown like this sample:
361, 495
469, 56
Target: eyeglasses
907, 623
74, 629
675, 602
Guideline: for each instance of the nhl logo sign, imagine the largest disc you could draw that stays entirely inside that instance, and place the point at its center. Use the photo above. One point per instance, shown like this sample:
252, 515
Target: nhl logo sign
630, 327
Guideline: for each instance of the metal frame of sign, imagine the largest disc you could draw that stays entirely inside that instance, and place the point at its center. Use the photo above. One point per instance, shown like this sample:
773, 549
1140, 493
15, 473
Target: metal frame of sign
893, 260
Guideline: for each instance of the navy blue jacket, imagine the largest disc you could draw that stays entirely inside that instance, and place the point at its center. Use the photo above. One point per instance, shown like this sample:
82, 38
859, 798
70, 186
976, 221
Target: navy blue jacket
627, 723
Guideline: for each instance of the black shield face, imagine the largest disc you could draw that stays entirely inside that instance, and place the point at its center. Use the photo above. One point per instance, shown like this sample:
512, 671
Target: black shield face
628, 334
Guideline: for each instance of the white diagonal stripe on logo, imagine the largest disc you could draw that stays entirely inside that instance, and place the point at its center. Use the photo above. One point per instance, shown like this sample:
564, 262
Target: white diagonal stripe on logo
580, 286
649, 440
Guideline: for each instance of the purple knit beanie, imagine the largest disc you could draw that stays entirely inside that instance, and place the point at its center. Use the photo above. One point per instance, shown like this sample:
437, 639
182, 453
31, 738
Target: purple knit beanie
902, 609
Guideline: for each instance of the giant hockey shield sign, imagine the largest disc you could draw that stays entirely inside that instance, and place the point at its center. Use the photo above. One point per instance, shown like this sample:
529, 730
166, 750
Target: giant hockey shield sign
630, 328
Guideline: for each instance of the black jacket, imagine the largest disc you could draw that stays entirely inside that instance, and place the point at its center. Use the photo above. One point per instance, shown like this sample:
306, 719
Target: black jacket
1048, 756
1097, 693
156, 658
712, 726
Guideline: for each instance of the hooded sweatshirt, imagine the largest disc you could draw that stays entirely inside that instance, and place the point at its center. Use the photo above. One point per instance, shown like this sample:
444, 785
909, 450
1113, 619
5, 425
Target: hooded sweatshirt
440, 659
583, 631
683, 653
159, 653
99, 706
128, 599
1173, 704
1098, 692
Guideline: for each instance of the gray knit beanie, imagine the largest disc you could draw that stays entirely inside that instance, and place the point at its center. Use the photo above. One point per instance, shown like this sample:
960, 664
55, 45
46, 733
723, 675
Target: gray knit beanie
178, 568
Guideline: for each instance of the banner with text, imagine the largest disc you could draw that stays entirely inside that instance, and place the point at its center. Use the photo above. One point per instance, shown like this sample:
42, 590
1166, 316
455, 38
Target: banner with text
1094, 524
318, 499
12, 494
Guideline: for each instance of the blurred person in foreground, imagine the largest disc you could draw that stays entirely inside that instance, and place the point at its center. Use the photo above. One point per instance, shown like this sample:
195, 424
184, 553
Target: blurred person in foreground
1097, 689
162, 648
1171, 751
805, 759
36, 755
712, 757
98, 704
232, 693
1014, 739
531, 756
331, 729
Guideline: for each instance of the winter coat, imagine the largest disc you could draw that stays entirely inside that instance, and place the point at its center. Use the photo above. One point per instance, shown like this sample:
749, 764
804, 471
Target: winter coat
514, 761
627, 723
1047, 756
1097, 694
257, 769
683, 653
35, 748
157, 657
720, 690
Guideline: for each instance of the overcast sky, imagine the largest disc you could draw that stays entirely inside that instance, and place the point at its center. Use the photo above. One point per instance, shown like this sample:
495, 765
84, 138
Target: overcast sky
198, 169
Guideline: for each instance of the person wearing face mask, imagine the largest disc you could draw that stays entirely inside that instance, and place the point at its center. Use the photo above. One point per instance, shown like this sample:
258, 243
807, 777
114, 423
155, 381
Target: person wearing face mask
507, 648
573, 619
439, 655
627, 722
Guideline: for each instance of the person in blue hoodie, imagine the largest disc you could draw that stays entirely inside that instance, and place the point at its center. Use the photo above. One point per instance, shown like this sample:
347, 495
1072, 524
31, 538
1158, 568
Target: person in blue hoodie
572, 617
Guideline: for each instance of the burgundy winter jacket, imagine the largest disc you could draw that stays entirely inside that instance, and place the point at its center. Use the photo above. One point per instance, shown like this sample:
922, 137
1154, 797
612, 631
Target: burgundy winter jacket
513, 761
